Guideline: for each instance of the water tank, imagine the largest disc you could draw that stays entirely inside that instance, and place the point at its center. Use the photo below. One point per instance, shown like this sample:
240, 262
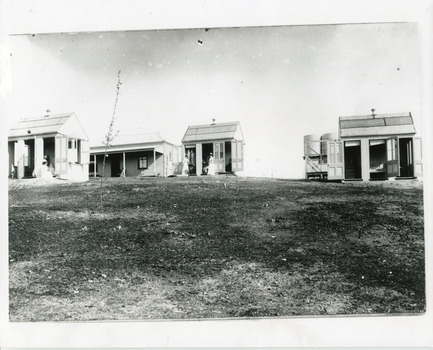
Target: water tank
331, 136
311, 145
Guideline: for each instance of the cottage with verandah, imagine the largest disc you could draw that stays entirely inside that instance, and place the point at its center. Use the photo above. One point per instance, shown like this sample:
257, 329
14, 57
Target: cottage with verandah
146, 154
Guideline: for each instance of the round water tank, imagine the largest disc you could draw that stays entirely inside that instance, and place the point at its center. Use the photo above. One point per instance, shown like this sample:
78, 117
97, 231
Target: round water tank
312, 145
330, 136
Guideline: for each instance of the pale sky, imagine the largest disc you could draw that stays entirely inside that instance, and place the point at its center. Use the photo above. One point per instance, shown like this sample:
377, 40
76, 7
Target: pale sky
279, 82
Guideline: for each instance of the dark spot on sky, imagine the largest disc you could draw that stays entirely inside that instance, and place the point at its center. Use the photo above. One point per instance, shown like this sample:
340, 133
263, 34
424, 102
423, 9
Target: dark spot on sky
200, 42
398, 68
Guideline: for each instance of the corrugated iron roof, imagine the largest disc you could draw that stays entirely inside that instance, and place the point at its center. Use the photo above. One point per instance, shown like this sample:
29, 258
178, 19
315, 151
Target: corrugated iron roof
211, 132
378, 125
39, 126
133, 139
130, 142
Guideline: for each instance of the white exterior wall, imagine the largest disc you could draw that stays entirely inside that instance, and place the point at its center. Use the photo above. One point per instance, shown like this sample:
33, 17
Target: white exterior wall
19, 158
76, 172
365, 159
198, 157
365, 152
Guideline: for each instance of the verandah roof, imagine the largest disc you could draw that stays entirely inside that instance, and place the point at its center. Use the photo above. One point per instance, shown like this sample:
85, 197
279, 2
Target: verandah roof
131, 143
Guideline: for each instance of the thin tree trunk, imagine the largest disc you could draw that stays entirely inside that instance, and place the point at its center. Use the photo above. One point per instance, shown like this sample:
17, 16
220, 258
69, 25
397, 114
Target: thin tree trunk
109, 138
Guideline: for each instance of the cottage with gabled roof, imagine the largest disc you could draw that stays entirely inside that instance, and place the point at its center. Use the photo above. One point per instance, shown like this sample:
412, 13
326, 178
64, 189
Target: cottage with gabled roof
369, 147
380, 146
146, 154
58, 142
224, 141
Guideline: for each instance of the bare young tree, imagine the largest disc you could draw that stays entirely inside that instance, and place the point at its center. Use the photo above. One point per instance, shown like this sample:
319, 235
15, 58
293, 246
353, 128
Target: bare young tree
109, 137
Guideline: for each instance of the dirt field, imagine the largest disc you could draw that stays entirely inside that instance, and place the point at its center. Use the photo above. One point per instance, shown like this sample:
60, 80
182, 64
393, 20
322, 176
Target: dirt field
199, 247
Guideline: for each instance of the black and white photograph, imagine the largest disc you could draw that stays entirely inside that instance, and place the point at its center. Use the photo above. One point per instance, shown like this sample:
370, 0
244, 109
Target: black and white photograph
215, 175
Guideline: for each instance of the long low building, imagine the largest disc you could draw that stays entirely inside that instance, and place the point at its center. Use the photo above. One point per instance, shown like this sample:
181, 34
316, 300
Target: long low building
146, 154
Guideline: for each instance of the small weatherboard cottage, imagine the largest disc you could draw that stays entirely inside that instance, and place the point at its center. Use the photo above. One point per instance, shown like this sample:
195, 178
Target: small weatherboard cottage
223, 140
368, 147
135, 155
56, 142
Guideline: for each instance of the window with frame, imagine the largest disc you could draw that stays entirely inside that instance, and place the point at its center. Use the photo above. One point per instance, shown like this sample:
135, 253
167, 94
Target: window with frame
142, 162
73, 151
219, 150
72, 143
391, 148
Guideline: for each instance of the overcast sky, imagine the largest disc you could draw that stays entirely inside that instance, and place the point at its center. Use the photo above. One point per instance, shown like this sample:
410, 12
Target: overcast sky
280, 82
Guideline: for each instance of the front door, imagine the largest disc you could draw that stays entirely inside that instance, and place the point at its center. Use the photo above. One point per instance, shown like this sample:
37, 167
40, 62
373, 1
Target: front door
417, 157
237, 161
219, 160
61, 155
392, 162
335, 160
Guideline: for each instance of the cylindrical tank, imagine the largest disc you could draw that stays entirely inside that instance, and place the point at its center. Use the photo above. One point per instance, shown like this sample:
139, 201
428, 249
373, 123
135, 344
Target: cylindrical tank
311, 145
330, 136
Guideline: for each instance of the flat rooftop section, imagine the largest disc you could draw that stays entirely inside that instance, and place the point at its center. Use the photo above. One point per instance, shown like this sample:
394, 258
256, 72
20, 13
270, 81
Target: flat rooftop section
39, 125
213, 132
377, 125
66, 124
132, 139
133, 142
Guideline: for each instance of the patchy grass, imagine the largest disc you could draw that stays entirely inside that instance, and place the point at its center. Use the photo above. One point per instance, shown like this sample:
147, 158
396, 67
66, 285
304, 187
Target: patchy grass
199, 247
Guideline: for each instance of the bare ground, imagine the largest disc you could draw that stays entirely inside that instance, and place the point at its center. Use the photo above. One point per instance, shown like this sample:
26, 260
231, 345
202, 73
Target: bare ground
201, 247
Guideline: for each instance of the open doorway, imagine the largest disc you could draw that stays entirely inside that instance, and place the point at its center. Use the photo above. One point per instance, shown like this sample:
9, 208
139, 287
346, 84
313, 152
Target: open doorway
228, 157
116, 168
207, 149
29, 157
378, 159
49, 154
352, 160
190, 152
406, 157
